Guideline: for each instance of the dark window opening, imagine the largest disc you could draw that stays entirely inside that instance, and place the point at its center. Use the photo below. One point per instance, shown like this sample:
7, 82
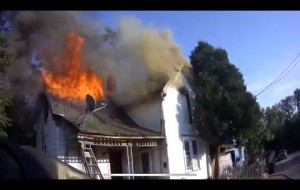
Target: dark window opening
188, 156
189, 108
195, 148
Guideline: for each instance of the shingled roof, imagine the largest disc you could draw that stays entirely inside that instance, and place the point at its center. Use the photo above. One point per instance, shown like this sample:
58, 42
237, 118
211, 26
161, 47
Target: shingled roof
110, 121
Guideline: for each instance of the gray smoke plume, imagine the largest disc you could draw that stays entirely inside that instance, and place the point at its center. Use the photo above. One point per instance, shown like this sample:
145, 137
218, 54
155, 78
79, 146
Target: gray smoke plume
141, 59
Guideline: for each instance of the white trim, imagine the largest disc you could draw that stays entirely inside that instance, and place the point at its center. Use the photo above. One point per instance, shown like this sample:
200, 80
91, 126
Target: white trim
186, 136
150, 174
184, 154
197, 157
193, 157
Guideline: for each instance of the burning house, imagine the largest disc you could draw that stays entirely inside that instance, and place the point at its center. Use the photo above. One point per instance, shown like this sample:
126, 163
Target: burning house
115, 138
89, 132
157, 136
136, 122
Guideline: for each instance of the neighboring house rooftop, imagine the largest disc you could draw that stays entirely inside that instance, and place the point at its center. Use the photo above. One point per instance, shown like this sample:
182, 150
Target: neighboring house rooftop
111, 120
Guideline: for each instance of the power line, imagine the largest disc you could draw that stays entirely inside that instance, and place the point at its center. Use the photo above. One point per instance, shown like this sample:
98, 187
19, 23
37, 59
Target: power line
281, 76
278, 79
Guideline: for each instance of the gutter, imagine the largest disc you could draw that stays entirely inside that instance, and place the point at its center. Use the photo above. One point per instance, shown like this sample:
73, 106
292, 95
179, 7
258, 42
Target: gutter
118, 137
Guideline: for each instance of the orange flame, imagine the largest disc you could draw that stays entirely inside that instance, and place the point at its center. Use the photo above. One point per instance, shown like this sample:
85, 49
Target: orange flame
75, 81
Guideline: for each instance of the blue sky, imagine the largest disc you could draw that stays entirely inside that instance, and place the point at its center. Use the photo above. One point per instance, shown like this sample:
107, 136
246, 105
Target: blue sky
260, 43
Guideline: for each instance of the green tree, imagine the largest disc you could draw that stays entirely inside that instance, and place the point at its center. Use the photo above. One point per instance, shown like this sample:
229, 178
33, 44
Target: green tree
288, 107
274, 118
283, 119
224, 108
297, 99
4, 100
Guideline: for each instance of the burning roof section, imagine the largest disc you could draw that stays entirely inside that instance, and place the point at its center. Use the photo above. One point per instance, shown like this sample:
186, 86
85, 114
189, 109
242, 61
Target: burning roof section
111, 121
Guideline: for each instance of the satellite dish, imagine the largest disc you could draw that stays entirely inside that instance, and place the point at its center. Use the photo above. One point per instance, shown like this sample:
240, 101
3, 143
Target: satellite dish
91, 103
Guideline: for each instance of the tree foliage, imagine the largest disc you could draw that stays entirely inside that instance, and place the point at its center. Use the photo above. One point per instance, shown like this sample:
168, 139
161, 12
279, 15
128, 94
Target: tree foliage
284, 120
225, 110
4, 100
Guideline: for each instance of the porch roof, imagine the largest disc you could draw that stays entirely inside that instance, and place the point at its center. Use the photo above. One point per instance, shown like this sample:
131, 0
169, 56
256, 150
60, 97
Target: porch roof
111, 121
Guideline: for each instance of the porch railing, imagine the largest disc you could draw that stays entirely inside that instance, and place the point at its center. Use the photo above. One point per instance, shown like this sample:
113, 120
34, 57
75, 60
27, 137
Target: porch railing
149, 176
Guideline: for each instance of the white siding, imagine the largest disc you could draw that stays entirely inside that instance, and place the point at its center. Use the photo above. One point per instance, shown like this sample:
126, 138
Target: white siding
174, 145
156, 165
78, 166
147, 115
178, 129
101, 154
51, 137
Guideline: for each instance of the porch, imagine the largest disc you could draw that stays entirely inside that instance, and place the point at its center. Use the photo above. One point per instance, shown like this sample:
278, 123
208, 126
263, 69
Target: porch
117, 156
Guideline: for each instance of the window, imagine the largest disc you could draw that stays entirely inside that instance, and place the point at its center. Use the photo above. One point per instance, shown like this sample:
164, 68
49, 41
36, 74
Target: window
195, 150
189, 108
195, 155
188, 156
191, 155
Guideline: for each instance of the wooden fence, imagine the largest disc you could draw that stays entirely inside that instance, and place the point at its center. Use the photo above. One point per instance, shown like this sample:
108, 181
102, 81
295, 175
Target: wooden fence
253, 171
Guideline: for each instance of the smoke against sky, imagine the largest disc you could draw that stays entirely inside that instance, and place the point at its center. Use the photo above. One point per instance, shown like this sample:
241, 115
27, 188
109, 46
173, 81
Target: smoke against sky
141, 59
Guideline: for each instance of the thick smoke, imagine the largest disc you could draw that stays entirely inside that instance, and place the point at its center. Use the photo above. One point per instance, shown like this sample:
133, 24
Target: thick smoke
152, 59
141, 59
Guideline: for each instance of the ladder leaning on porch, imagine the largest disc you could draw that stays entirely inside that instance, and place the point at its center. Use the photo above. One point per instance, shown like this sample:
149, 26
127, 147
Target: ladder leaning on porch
130, 160
90, 161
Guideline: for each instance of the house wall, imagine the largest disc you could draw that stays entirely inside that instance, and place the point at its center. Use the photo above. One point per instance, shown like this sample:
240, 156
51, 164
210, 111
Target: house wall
177, 130
56, 136
51, 140
169, 156
225, 161
73, 158
147, 114
40, 128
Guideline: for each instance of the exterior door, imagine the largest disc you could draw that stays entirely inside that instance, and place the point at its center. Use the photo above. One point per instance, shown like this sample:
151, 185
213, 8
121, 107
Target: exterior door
145, 163
115, 164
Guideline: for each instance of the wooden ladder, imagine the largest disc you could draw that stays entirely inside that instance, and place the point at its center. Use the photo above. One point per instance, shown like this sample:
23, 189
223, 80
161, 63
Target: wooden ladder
90, 161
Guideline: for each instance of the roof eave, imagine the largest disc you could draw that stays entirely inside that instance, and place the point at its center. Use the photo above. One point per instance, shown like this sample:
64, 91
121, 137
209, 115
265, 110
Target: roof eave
84, 133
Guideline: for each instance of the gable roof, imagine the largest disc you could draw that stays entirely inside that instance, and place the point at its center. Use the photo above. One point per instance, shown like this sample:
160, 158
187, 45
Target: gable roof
111, 120
177, 81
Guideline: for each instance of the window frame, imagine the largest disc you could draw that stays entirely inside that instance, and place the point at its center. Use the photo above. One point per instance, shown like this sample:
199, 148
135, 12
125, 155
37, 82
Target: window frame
188, 167
189, 108
194, 155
